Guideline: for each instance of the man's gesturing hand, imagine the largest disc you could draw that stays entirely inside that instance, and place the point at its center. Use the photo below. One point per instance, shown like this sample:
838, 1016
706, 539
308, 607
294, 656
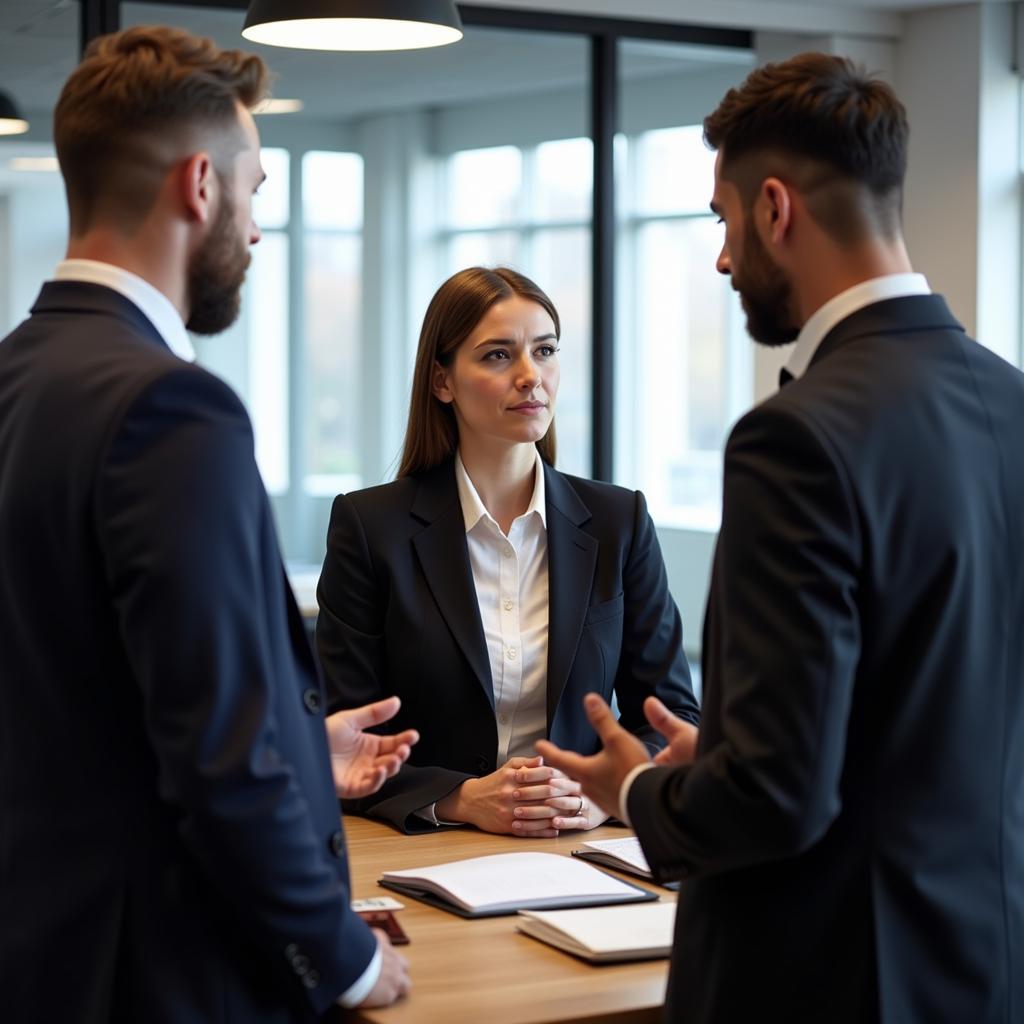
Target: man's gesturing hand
600, 775
681, 736
362, 761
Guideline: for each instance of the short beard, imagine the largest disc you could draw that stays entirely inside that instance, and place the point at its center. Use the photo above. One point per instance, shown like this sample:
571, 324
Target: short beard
216, 273
765, 292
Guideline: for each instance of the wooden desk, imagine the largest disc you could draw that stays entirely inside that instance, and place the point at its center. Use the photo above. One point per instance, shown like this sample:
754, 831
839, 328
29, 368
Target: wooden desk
483, 971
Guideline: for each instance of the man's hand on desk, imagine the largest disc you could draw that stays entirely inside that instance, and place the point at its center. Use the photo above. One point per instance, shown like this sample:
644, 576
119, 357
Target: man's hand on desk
393, 982
601, 774
362, 761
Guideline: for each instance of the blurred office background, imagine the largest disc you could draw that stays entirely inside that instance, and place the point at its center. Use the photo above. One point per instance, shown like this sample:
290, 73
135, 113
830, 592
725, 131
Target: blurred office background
397, 169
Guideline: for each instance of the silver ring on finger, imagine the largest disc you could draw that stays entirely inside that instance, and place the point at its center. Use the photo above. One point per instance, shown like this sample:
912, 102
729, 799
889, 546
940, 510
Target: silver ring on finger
579, 810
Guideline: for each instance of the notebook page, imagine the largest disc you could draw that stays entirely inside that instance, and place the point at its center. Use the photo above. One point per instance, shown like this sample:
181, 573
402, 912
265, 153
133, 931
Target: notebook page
512, 878
627, 850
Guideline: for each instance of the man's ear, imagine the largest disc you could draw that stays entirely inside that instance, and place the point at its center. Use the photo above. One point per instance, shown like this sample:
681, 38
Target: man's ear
441, 390
198, 186
775, 206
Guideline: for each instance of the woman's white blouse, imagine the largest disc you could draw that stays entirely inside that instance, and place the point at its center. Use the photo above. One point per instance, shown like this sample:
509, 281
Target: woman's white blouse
511, 578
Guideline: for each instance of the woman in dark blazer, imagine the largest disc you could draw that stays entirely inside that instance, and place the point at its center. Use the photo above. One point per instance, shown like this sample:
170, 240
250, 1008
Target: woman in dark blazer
488, 590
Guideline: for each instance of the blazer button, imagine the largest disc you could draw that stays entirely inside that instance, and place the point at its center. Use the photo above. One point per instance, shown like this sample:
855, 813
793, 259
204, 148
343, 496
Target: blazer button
481, 764
300, 964
337, 843
311, 698
291, 951
311, 979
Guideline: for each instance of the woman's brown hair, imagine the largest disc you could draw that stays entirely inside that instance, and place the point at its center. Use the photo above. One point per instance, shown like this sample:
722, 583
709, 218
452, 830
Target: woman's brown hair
432, 435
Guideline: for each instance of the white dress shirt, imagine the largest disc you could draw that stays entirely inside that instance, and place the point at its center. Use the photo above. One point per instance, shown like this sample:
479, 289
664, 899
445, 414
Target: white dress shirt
162, 314
510, 574
839, 307
154, 305
511, 578
812, 334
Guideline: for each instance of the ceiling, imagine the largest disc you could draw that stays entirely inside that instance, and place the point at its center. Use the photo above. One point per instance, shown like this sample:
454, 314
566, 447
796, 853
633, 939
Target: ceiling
39, 48
39, 40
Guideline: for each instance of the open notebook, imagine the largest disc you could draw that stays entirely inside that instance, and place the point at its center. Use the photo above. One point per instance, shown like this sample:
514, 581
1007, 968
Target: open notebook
507, 882
605, 934
622, 854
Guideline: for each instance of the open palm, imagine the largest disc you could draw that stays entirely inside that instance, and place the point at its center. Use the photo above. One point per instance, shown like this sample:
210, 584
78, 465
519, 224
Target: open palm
361, 761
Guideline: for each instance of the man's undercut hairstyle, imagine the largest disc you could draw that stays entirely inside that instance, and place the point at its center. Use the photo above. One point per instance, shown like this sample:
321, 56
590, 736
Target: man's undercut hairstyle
135, 104
834, 131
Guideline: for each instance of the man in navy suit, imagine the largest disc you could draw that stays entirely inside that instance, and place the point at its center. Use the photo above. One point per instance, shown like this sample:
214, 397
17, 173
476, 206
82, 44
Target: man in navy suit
851, 834
171, 848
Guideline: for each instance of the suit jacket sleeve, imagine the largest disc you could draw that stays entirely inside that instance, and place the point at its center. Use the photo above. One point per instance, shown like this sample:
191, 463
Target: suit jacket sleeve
351, 640
184, 525
652, 661
781, 649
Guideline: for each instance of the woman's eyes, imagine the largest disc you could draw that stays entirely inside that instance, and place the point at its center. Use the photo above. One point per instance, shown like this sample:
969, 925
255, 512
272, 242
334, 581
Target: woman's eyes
502, 355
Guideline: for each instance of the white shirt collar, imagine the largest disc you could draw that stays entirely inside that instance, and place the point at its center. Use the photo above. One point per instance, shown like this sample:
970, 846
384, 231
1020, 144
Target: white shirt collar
155, 306
473, 509
838, 308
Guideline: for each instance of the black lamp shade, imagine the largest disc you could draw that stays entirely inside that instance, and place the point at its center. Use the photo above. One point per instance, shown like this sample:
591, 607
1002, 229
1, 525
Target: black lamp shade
11, 121
353, 24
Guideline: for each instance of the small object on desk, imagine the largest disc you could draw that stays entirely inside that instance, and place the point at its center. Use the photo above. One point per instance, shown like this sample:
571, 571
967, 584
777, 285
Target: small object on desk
506, 882
386, 921
377, 903
605, 934
621, 854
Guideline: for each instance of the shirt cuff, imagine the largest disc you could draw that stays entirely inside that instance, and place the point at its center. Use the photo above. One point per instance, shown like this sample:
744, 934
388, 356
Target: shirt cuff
363, 985
627, 782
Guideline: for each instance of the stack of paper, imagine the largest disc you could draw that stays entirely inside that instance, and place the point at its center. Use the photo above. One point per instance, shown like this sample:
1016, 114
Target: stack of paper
605, 934
507, 882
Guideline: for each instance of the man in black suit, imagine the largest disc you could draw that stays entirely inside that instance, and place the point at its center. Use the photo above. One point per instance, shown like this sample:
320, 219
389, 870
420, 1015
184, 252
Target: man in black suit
852, 830
170, 848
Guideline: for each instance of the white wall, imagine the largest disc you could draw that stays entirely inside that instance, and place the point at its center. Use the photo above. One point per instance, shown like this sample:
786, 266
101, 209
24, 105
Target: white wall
962, 209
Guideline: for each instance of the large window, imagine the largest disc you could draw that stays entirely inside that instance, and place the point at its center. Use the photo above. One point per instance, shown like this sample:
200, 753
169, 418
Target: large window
332, 194
304, 399
683, 361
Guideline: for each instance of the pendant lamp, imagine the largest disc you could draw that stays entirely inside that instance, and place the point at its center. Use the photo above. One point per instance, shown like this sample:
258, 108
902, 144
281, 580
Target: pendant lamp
11, 122
353, 24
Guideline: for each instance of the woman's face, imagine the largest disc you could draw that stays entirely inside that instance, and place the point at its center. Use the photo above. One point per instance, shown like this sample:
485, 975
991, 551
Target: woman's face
503, 380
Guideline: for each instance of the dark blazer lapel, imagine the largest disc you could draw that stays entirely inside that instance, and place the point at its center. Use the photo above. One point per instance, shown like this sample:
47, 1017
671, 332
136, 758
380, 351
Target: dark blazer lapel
444, 557
84, 297
890, 317
572, 558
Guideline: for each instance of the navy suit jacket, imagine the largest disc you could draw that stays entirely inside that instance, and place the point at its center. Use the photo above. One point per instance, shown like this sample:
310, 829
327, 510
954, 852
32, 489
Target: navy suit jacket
852, 832
399, 615
170, 845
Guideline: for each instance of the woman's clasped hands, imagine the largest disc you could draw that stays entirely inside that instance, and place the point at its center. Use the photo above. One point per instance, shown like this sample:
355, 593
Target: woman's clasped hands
524, 797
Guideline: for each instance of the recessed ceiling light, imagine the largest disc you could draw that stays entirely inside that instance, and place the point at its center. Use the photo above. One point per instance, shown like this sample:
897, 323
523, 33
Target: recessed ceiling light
34, 163
278, 106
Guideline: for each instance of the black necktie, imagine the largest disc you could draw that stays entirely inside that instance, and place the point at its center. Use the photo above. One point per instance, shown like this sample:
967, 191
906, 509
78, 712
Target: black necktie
784, 377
